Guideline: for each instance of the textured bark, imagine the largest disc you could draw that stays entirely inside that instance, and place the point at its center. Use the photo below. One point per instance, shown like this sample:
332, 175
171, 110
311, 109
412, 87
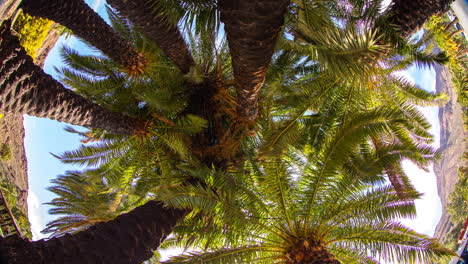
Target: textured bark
409, 15
166, 35
26, 89
310, 252
128, 239
86, 24
399, 182
401, 185
48, 44
252, 29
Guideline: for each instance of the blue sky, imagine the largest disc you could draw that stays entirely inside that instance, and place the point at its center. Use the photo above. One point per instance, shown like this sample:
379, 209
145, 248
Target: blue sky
45, 136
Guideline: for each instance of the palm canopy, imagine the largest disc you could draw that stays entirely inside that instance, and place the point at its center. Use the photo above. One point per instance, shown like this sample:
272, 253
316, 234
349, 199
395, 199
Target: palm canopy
301, 210
228, 107
348, 40
122, 171
341, 60
162, 95
307, 102
306, 97
263, 25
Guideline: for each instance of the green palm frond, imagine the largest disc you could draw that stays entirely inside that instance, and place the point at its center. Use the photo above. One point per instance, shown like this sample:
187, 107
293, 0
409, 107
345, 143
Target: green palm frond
278, 141
95, 154
353, 256
411, 93
90, 65
81, 201
346, 54
310, 197
197, 15
394, 242
245, 254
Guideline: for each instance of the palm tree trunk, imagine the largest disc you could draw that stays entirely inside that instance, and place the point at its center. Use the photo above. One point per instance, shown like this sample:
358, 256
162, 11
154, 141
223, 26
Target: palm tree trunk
166, 35
397, 177
409, 16
252, 28
400, 182
310, 252
86, 24
26, 89
130, 238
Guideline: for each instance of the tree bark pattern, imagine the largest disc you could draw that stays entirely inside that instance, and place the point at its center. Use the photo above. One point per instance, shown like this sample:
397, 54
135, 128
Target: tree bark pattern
310, 252
26, 89
88, 25
401, 185
166, 35
130, 238
409, 16
252, 28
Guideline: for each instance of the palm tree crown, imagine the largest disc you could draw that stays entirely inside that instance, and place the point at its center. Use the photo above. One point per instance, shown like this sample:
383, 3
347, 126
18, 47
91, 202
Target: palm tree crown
300, 210
266, 164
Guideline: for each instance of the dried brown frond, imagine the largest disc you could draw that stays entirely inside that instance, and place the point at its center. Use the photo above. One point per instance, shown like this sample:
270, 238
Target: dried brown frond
143, 132
138, 66
163, 119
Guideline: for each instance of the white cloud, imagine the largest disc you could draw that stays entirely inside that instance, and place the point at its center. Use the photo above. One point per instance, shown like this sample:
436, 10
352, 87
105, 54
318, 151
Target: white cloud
35, 217
428, 207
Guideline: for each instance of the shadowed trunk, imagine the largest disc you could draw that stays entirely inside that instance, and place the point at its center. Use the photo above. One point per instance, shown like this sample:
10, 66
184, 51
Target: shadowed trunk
166, 35
397, 177
26, 89
130, 238
310, 253
400, 182
252, 28
409, 16
86, 24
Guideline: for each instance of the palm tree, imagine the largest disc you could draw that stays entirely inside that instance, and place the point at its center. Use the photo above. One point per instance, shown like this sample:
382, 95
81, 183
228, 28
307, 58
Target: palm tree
26, 89
127, 171
252, 30
316, 102
77, 16
159, 29
160, 87
139, 231
302, 211
351, 59
356, 48
252, 33
161, 146
409, 16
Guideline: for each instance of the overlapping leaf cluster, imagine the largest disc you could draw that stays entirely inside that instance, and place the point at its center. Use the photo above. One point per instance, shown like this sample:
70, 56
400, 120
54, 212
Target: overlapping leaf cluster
336, 123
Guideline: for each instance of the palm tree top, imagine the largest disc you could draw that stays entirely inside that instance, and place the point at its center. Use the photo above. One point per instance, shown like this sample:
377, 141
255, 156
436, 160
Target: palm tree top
301, 209
312, 207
